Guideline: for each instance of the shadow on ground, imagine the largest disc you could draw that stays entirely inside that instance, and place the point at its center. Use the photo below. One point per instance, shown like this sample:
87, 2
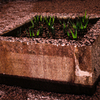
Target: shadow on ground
47, 85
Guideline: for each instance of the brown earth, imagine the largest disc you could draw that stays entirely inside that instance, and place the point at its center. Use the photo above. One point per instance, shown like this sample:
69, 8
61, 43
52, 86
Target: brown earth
11, 11
57, 32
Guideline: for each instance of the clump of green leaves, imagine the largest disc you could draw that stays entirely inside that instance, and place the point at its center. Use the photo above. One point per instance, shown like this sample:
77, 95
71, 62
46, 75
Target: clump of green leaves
50, 24
82, 24
78, 26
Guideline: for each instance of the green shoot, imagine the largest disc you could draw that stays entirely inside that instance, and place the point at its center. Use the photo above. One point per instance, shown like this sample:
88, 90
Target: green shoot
75, 26
74, 35
68, 34
37, 18
32, 23
33, 33
64, 26
60, 22
50, 20
86, 25
38, 33
41, 18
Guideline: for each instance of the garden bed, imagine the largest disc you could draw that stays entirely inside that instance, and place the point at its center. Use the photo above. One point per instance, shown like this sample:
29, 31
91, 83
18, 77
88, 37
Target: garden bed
54, 28
66, 60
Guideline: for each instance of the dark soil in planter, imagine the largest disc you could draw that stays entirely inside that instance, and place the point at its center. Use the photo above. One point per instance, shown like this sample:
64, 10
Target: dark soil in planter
58, 30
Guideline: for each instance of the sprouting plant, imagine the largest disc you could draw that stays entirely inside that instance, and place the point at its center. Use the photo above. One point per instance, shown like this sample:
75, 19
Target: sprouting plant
78, 26
50, 23
84, 22
45, 19
53, 20
84, 17
31, 34
32, 23
60, 22
37, 34
36, 20
41, 18
75, 26
64, 26
30, 31
73, 35
81, 24
68, 34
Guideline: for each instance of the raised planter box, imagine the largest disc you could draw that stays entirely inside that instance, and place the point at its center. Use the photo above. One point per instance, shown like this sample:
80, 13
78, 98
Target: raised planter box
59, 61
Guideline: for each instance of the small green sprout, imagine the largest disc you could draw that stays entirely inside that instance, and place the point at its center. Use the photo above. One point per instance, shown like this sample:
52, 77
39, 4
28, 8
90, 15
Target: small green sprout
74, 35
82, 24
32, 23
60, 22
84, 17
38, 31
50, 23
33, 33
36, 20
41, 18
49, 20
68, 34
64, 26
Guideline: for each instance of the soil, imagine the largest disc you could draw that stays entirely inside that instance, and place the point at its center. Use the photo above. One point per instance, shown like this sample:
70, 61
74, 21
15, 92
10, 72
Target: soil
11, 11
58, 32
